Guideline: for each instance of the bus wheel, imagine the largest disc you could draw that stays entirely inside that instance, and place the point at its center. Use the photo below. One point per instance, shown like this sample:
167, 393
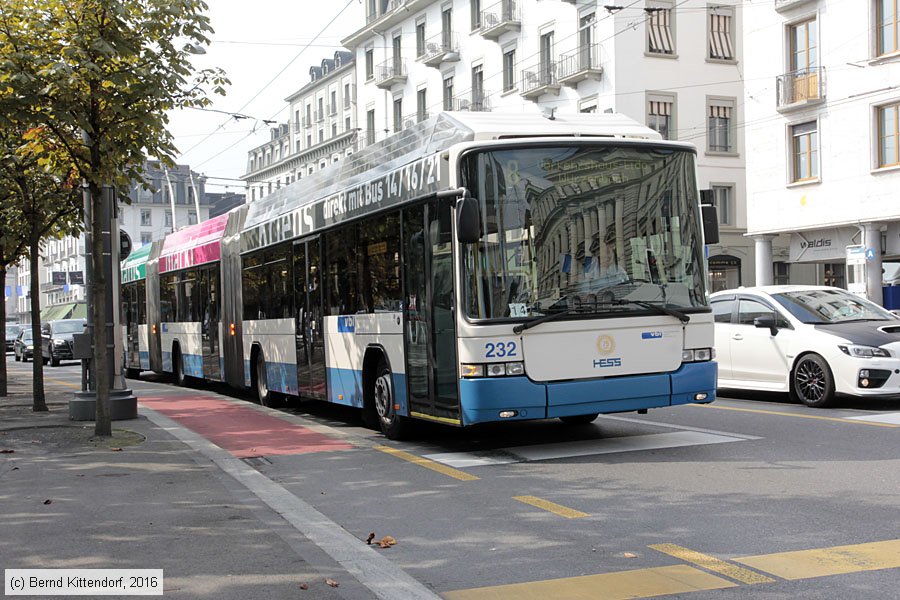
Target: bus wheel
178, 368
579, 419
393, 425
260, 381
132, 373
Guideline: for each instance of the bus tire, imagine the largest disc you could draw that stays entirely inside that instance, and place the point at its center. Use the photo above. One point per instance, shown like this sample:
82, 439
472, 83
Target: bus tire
261, 380
132, 373
394, 426
178, 375
580, 419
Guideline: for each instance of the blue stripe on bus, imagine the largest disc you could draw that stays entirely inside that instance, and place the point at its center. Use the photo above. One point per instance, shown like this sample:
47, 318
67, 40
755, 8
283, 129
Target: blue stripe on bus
345, 387
694, 378
167, 361
616, 394
483, 399
144, 358
193, 365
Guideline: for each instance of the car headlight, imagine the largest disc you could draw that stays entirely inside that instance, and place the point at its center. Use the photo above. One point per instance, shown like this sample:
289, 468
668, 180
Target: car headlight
860, 351
29, 347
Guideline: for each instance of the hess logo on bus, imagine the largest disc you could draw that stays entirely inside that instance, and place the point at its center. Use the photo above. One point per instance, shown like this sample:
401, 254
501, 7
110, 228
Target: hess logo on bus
606, 345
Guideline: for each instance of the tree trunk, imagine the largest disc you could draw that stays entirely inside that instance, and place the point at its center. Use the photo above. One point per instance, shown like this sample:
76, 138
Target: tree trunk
39, 404
99, 223
3, 389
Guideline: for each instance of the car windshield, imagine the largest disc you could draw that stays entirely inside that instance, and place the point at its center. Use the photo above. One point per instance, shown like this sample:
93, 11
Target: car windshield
26, 335
12, 330
68, 327
587, 229
831, 306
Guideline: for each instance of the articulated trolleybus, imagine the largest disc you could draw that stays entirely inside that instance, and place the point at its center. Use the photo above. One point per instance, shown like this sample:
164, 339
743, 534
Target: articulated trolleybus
475, 267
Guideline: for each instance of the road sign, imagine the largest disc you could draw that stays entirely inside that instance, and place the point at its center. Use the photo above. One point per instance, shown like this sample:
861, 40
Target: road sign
870, 253
124, 245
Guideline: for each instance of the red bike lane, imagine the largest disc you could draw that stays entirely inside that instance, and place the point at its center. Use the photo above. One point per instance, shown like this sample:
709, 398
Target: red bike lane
241, 430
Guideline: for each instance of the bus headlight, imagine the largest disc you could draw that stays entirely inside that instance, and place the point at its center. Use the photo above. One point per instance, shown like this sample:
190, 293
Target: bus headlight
466, 370
510, 369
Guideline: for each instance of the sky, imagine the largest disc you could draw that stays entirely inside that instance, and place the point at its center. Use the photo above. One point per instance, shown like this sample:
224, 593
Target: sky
266, 49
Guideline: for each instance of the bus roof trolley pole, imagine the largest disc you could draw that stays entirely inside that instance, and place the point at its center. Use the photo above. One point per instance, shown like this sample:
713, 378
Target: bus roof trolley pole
468, 217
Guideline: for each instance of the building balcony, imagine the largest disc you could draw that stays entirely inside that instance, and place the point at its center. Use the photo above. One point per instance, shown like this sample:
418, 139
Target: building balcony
501, 18
781, 5
440, 48
800, 88
390, 73
477, 103
579, 65
539, 80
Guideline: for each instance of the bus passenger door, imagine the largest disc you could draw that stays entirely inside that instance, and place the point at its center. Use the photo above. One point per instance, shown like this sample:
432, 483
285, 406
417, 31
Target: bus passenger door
209, 323
430, 329
308, 319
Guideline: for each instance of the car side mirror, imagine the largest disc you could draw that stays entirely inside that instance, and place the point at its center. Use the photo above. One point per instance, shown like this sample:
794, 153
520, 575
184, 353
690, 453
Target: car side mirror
766, 321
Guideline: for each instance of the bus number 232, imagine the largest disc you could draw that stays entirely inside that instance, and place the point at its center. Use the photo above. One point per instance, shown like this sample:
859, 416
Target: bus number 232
499, 349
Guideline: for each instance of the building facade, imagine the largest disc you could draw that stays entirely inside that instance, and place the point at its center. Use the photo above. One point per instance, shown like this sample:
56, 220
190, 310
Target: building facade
675, 66
823, 144
146, 218
322, 129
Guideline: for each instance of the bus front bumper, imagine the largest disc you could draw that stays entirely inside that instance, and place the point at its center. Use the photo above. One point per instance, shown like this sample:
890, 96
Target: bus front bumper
490, 399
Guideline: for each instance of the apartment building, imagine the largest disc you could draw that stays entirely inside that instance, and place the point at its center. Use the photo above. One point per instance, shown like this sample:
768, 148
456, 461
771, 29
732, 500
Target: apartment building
322, 129
823, 144
676, 66
146, 218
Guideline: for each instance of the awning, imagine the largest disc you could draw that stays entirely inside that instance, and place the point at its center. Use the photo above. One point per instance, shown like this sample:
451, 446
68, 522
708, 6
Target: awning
72, 310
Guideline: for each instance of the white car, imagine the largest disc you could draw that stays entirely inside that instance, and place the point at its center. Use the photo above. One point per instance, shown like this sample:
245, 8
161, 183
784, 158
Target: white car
815, 342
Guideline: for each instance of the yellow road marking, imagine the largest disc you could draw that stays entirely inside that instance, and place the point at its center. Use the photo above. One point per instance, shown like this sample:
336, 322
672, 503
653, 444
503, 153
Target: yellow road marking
557, 509
799, 416
428, 464
837, 560
61, 382
712, 563
640, 583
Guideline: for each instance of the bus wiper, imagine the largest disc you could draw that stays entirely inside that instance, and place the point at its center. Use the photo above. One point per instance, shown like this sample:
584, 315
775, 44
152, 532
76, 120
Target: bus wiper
535, 322
658, 308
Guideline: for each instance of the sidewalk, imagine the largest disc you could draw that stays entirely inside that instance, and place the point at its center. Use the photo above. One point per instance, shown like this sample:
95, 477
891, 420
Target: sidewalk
144, 499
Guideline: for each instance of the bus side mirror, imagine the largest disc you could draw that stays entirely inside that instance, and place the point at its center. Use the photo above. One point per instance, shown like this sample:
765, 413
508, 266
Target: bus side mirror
468, 220
710, 217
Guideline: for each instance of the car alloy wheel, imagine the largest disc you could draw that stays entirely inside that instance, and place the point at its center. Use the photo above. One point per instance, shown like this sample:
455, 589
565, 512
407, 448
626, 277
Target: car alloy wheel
812, 382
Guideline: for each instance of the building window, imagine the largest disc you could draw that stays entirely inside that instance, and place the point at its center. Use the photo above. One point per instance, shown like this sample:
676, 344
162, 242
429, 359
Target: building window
478, 99
721, 42
332, 109
346, 96
321, 135
168, 219
659, 117
421, 105
509, 70
804, 59
548, 65
192, 218
781, 272
347, 124
398, 114
309, 140
659, 29
370, 126
420, 39
370, 63
334, 130
889, 135
146, 238
805, 151
720, 131
146, 217
448, 92
723, 200
833, 274
476, 14
887, 28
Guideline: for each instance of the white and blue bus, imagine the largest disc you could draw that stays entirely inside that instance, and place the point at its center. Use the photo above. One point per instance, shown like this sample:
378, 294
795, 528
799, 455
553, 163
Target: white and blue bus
475, 267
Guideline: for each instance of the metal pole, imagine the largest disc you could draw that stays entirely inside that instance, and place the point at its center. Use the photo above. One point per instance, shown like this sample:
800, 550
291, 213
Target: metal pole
196, 196
172, 198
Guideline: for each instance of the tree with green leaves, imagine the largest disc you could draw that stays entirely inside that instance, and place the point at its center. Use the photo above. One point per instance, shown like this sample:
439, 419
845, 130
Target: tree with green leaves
96, 78
39, 205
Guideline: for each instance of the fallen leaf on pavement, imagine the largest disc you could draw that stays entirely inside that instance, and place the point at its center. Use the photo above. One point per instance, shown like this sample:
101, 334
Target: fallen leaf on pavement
332, 582
387, 541
116, 449
304, 586
7, 451
48, 501
370, 538
14, 469
629, 555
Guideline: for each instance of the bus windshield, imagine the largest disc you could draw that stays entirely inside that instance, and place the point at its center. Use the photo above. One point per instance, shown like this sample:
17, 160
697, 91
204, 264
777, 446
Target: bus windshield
585, 229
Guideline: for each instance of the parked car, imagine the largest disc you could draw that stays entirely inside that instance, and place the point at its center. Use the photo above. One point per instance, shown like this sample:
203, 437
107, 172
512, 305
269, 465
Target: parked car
12, 330
814, 342
56, 339
23, 346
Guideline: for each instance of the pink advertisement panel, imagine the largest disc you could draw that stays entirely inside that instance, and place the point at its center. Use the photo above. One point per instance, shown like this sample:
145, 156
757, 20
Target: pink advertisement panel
194, 245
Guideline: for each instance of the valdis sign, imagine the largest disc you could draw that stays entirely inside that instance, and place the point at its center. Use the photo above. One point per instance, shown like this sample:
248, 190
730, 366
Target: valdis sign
823, 244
